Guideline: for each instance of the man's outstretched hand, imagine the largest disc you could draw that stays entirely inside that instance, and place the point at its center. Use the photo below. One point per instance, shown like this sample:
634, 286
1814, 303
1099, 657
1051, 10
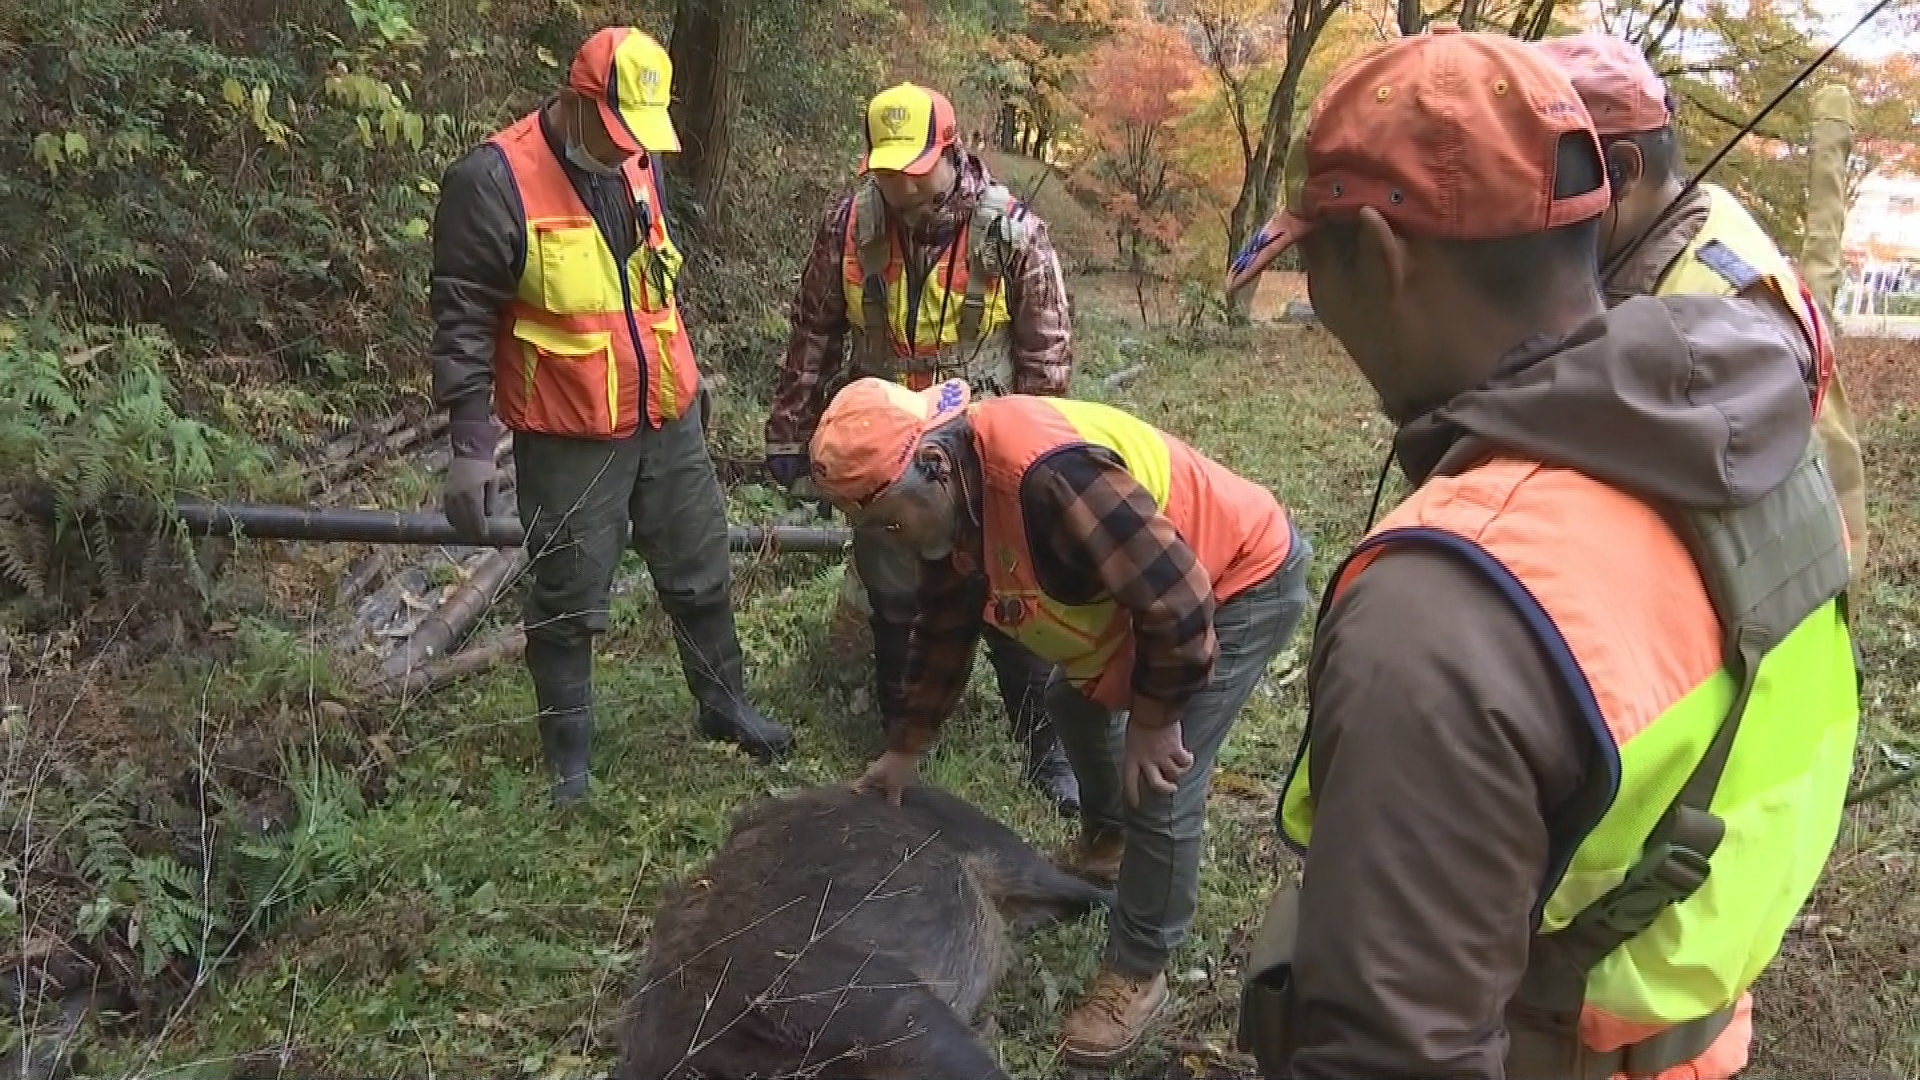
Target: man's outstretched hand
891, 773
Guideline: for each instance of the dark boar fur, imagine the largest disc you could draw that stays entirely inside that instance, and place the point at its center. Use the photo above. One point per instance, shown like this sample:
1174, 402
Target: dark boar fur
836, 937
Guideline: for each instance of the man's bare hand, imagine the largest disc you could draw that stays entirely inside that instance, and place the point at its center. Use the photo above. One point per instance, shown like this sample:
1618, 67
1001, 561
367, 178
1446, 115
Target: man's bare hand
891, 773
1156, 757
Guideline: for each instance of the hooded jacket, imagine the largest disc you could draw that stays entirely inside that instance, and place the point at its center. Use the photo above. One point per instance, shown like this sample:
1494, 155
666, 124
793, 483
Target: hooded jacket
1642, 273
1446, 753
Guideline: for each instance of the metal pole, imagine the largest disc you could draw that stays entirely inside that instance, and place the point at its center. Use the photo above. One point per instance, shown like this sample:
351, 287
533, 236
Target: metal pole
270, 522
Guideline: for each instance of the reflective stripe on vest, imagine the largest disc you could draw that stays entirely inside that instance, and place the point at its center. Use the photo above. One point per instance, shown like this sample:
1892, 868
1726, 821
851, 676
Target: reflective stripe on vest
1617, 603
1236, 528
964, 293
584, 337
1729, 247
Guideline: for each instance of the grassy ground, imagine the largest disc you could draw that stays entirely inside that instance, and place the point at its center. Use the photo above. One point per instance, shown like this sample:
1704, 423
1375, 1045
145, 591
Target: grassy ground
466, 931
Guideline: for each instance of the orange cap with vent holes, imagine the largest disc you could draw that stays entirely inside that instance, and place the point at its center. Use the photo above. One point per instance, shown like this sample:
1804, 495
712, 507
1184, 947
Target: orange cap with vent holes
1447, 135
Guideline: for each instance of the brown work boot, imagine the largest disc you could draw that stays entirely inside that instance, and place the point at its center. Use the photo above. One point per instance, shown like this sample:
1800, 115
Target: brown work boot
1113, 1019
1094, 856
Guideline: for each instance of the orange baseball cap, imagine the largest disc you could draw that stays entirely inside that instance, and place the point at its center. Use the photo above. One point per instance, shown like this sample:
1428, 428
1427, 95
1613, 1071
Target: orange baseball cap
1621, 91
870, 430
907, 128
630, 77
1446, 134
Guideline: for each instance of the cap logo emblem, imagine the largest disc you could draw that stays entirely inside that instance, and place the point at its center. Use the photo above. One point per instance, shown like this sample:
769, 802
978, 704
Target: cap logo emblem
650, 80
894, 117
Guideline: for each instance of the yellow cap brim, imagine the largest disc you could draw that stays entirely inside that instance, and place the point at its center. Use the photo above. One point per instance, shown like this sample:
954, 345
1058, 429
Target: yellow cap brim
903, 158
641, 128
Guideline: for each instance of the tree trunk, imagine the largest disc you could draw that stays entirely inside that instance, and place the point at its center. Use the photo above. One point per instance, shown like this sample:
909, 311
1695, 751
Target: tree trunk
1260, 186
709, 51
1412, 19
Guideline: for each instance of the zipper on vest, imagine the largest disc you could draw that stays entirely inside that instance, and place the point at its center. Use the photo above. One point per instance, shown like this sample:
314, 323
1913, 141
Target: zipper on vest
639, 352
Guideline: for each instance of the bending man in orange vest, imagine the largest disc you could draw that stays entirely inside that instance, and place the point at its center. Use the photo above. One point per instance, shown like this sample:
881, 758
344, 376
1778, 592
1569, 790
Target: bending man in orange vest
929, 269
1708, 245
553, 303
1582, 708
1159, 582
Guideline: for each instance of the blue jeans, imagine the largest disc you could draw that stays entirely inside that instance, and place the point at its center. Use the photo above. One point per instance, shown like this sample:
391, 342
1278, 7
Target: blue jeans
1159, 883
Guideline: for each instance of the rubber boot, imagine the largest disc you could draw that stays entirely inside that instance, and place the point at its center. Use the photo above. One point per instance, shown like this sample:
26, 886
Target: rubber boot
563, 686
1049, 770
715, 673
1022, 678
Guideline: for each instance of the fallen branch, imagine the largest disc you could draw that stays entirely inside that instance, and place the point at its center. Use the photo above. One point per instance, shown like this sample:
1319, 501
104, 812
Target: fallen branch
331, 473
361, 577
1885, 784
349, 525
464, 664
458, 613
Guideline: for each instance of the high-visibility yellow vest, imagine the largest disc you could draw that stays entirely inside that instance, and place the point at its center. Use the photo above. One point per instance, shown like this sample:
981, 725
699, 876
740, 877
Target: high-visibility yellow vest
1618, 601
958, 325
1238, 531
1732, 253
589, 345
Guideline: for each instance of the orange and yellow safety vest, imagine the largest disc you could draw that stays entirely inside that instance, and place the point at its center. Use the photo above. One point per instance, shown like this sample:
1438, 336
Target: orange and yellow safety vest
1618, 601
958, 324
588, 345
1237, 529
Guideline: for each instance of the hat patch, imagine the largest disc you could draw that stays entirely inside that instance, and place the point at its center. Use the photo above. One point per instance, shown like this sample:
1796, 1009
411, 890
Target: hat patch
893, 118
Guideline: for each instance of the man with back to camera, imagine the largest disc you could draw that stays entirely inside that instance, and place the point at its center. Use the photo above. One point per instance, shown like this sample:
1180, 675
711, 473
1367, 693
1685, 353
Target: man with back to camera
1582, 708
1708, 245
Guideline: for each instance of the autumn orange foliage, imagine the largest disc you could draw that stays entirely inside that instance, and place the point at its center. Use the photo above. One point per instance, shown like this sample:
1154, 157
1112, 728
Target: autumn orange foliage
1136, 88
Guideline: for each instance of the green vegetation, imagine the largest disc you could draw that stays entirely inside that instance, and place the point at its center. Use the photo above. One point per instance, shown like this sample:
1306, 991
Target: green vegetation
215, 219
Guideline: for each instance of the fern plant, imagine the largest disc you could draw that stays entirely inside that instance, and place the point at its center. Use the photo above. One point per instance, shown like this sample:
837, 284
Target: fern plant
163, 905
309, 865
87, 416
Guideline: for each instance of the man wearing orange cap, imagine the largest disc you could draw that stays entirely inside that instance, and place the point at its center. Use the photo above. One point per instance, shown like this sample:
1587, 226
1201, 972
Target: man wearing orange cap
553, 302
1582, 707
1160, 583
1709, 244
930, 269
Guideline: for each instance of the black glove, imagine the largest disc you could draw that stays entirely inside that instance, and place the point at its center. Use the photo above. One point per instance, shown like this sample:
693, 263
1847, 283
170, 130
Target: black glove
472, 494
787, 469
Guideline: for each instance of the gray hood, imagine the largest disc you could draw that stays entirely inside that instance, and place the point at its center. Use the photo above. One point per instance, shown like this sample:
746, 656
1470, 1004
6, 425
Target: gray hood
1691, 400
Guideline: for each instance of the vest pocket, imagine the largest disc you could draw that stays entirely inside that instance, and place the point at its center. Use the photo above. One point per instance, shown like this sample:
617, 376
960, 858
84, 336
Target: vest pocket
663, 380
577, 275
573, 382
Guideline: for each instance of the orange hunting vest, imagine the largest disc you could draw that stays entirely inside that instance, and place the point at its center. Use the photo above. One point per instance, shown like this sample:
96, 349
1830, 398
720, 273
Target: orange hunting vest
585, 341
1236, 528
1620, 606
958, 325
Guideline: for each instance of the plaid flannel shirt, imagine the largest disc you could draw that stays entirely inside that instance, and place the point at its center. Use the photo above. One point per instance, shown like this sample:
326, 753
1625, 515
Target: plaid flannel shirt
1041, 336
1103, 538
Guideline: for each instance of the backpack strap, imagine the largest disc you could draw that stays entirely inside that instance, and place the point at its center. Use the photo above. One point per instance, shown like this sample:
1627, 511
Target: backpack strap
1766, 567
998, 229
873, 249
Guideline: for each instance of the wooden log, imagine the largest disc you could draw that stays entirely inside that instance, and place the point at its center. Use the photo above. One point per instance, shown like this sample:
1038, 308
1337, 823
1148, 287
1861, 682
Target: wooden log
480, 658
457, 614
